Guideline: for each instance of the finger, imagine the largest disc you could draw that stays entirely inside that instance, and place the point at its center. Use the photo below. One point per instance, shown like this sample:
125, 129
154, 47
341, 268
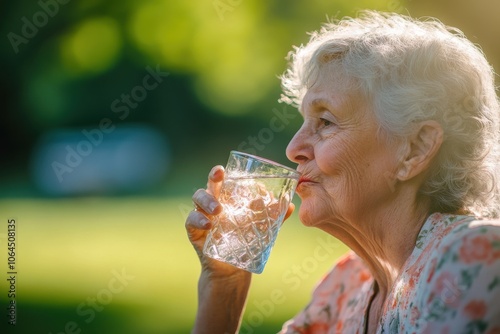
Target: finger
215, 179
290, 210
197, 223
206, 202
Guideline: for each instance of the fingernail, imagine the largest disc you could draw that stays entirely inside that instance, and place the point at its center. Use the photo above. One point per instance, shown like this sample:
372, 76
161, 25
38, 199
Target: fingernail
213, 206
216, 171
205, 223
213, 172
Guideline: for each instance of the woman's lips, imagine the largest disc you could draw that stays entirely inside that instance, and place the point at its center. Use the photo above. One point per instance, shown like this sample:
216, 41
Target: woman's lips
304, 179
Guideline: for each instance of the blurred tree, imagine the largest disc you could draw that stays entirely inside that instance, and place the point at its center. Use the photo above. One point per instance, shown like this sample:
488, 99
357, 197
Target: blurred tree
65, 62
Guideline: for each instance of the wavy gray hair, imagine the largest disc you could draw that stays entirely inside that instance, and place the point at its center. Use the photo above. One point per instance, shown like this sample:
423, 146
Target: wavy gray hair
410, 71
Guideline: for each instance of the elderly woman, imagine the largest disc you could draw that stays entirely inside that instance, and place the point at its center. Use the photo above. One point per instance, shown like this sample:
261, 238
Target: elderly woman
399, 159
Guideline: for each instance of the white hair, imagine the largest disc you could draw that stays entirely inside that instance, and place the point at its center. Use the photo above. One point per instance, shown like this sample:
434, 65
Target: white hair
411, 71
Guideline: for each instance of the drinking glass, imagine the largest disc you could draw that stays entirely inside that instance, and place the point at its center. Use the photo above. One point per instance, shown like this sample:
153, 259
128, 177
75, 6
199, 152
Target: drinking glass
255, 197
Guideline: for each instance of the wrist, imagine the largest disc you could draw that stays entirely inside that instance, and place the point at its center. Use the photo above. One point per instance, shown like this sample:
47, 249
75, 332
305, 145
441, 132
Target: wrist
241, 279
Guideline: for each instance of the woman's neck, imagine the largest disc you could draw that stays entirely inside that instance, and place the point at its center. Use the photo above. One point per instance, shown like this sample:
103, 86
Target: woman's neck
384, 240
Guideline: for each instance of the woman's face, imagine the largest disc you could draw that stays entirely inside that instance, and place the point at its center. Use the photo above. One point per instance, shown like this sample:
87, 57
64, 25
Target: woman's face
346, 168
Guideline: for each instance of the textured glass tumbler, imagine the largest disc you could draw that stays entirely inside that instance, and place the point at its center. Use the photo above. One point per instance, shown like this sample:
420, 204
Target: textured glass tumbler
255, 196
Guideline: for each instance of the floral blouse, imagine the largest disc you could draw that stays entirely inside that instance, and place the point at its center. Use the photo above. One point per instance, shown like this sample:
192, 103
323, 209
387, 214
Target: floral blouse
449, 284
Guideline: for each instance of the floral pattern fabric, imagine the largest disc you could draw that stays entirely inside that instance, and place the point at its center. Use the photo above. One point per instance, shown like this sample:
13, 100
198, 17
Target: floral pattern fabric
449, 284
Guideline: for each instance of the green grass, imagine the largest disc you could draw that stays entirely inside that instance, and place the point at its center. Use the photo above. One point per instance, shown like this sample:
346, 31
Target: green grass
67, 251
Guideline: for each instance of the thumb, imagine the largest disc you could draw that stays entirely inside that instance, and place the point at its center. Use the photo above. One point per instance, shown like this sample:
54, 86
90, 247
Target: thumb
290, 210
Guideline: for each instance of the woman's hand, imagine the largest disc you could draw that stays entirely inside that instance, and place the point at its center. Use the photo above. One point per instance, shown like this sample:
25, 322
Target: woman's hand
200, 221
222, 288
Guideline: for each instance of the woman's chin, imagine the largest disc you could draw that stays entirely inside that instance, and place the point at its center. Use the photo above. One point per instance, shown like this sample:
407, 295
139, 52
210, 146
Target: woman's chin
315, 212
306, 217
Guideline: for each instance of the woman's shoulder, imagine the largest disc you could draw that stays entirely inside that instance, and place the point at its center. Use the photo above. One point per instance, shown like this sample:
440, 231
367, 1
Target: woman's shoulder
337, 300
349, 273
460, 281
346, 266
441, 230
457, 241
469, 231
470, 243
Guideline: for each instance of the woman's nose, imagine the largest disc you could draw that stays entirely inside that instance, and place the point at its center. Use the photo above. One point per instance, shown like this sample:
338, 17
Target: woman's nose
299, 150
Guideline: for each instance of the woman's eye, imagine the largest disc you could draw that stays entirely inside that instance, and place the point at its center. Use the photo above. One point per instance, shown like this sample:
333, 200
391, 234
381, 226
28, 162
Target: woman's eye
325, 122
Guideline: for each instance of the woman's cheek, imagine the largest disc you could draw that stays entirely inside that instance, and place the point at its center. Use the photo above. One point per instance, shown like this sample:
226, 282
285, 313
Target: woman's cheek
327, 158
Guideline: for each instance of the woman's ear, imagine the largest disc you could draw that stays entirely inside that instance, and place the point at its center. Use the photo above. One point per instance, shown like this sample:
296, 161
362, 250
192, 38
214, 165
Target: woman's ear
422, 148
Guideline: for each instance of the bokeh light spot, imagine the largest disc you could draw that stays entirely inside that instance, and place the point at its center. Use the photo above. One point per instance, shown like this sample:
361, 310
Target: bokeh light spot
94, 46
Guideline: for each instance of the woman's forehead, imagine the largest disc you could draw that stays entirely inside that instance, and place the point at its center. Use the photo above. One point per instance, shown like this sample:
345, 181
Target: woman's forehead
344, 103
329, 94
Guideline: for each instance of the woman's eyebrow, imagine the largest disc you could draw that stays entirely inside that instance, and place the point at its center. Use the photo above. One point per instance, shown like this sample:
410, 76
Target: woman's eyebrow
320, 104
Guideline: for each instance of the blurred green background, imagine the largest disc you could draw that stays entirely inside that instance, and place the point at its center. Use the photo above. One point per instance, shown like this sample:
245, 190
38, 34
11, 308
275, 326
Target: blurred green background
135, 101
